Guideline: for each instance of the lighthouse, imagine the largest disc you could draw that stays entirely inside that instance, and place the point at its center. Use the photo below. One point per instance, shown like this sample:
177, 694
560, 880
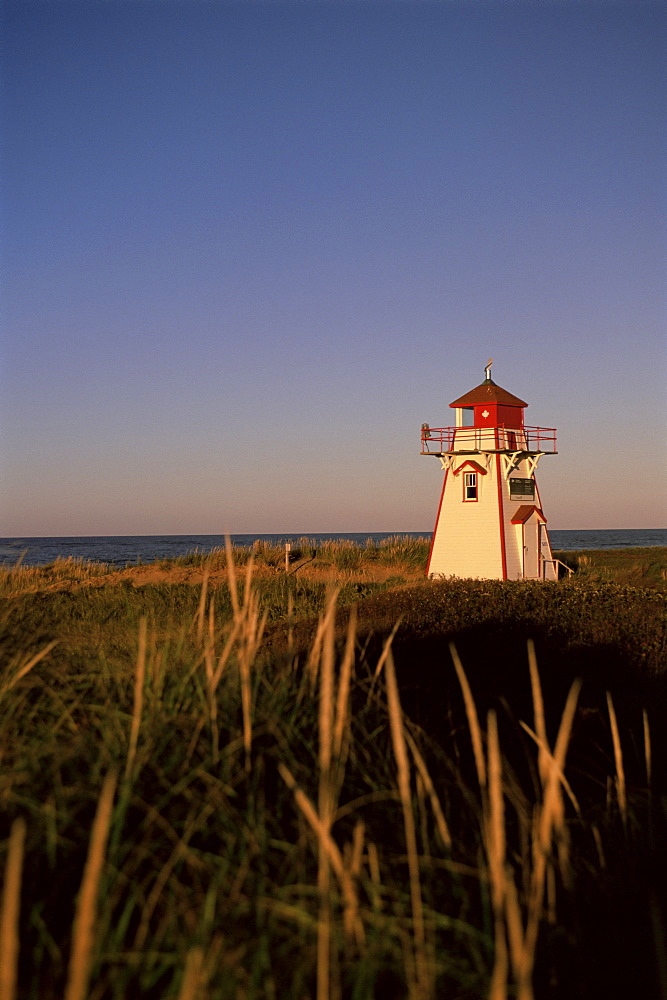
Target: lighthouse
490, 523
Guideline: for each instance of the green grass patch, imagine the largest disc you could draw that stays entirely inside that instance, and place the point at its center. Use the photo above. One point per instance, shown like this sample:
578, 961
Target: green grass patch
279, 821
639, 567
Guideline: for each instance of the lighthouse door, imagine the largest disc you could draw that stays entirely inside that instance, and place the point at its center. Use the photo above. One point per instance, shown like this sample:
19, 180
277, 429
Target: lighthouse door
532, 549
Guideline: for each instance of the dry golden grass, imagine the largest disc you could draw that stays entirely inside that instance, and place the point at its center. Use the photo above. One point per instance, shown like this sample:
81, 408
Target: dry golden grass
422, 987
516, 928
9, 937
140, 675
349, 891
330, 563
193, 977
618, 760
647, 747
83, 931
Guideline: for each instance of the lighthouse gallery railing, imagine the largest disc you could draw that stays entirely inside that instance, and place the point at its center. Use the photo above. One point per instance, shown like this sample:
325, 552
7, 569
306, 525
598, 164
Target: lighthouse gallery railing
438, 440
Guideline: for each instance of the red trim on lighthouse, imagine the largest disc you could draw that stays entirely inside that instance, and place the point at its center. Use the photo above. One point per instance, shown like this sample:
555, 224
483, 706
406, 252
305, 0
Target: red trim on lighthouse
474, 467
522, 513
437, 522
501, 518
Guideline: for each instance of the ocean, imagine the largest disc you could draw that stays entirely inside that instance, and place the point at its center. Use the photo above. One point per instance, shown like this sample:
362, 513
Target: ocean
121, 550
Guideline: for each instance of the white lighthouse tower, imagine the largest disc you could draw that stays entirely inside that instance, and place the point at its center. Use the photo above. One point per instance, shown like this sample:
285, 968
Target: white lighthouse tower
490, 523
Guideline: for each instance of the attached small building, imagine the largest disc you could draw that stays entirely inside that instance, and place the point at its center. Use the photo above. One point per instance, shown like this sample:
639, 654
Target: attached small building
490, 523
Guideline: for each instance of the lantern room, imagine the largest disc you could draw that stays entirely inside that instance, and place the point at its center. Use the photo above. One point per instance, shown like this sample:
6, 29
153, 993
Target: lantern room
488, 405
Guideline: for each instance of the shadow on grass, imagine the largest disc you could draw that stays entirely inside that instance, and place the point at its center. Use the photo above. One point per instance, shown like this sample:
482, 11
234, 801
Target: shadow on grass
617, 908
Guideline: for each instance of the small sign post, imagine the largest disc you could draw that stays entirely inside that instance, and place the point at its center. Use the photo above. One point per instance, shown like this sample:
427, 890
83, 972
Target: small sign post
288, 549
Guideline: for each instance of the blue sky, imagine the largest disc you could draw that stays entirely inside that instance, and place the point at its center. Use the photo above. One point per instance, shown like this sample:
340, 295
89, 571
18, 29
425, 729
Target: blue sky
249, 247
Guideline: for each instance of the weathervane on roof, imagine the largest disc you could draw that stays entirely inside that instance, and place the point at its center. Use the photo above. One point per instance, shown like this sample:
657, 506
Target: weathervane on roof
487, 370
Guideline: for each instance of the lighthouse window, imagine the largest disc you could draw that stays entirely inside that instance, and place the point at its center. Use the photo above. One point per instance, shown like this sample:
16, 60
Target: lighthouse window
467, 416
470, 486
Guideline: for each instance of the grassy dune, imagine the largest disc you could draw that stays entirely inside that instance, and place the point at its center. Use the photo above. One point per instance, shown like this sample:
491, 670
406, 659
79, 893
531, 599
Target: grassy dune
222, 780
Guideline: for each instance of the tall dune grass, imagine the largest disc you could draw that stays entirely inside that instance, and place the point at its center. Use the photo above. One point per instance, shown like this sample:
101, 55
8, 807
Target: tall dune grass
17, 577
281, 828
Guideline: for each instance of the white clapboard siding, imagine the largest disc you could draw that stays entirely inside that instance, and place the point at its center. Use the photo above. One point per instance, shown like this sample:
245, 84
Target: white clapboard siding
467, 535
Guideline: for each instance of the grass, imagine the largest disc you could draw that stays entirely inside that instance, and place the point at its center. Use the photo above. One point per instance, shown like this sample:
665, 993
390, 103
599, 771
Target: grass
638, 567
253, 784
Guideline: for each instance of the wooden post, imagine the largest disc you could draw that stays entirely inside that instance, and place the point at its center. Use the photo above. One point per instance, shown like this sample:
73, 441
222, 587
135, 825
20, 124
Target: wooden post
288, 549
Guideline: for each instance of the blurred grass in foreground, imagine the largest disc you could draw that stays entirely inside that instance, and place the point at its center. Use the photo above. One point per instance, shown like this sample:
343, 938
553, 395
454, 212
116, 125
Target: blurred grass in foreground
244, 789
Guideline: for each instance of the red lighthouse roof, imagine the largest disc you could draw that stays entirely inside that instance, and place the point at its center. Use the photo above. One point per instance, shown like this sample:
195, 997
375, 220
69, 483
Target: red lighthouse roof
488, 392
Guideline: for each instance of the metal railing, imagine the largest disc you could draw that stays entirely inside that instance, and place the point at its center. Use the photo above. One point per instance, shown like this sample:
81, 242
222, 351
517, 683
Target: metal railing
440, 440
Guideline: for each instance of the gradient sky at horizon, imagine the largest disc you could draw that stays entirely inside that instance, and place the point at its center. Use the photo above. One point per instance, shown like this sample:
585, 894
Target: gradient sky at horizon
249, 247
